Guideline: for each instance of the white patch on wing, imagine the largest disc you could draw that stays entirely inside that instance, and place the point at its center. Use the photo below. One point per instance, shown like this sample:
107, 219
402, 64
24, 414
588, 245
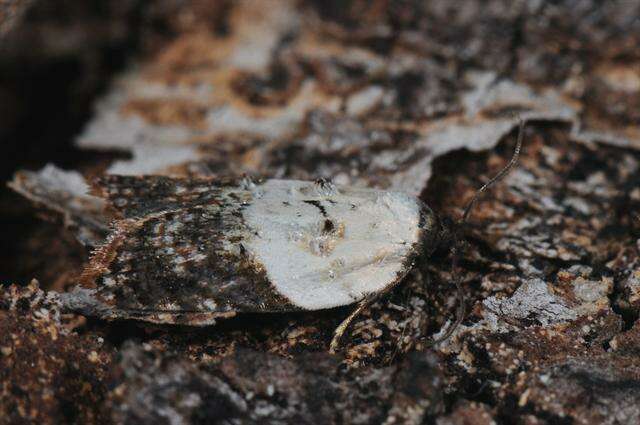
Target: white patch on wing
317, 259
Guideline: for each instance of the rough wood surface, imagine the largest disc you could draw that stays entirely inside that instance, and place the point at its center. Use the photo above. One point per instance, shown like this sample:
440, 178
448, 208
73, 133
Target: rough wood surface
415, 96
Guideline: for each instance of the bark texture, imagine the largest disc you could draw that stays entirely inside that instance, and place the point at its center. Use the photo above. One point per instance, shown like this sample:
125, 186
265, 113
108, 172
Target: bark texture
414, 96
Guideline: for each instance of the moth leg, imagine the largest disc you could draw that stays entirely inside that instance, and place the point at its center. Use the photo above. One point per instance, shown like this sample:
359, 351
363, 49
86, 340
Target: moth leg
342, 327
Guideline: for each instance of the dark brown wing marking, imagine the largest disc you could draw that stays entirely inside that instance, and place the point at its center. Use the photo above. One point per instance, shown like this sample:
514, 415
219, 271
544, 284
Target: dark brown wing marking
137, 196
180, 252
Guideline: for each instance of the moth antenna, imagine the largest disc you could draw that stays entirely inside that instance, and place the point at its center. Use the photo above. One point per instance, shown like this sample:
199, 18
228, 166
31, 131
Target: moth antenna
457, 249
497, 177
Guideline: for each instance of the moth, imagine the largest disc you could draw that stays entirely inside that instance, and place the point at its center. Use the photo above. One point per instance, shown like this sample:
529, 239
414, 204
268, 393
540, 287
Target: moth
192, 251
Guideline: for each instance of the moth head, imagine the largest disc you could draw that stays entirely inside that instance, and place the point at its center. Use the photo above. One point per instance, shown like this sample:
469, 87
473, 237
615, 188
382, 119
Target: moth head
437, 233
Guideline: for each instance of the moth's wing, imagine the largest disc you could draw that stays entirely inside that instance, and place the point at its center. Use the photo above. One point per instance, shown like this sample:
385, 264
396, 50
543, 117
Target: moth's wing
278, 246
169, 263
137, 196
323, 247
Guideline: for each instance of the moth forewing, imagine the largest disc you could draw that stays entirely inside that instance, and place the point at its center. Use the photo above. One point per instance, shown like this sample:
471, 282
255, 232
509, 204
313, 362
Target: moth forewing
219, 248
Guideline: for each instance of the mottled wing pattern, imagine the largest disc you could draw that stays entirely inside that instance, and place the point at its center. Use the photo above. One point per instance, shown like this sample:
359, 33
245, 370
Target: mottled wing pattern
135, 196
178, 256
188, 251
